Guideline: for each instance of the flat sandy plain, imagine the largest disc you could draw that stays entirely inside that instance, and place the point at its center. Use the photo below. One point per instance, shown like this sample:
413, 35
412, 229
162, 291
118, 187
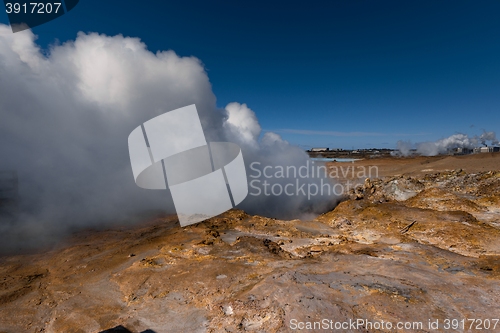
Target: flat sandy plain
421, 165
419, 244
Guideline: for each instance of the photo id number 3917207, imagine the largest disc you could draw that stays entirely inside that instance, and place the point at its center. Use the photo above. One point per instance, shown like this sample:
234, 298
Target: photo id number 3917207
33, 8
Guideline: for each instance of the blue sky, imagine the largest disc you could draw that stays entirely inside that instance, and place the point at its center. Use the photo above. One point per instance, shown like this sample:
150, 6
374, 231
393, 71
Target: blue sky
339, 74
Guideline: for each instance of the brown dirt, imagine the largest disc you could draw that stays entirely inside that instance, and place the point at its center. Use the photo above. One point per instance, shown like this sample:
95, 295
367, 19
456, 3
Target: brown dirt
430, 254
421, 165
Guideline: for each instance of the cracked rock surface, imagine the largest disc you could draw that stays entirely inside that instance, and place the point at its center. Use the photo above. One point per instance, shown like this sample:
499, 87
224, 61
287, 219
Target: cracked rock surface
380, 255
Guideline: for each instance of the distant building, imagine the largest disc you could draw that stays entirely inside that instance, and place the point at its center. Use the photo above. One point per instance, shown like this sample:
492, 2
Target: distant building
463, 151
486, 149
319, 149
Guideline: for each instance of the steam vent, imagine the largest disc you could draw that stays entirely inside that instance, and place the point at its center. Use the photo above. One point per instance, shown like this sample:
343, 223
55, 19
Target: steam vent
249, 166
403, 247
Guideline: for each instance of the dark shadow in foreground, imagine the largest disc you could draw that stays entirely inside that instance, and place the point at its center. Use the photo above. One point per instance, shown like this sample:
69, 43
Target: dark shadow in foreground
121, 329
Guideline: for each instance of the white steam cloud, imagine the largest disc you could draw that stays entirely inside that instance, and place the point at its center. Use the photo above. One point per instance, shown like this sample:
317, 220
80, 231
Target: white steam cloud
442, 146
488, 136
64, 122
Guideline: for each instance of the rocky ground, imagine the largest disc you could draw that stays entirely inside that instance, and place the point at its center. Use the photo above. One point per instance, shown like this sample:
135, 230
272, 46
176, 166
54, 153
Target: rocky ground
411, 246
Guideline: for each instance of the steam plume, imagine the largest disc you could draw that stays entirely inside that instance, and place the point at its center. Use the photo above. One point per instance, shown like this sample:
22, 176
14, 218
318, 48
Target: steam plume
64, 122
443, 146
